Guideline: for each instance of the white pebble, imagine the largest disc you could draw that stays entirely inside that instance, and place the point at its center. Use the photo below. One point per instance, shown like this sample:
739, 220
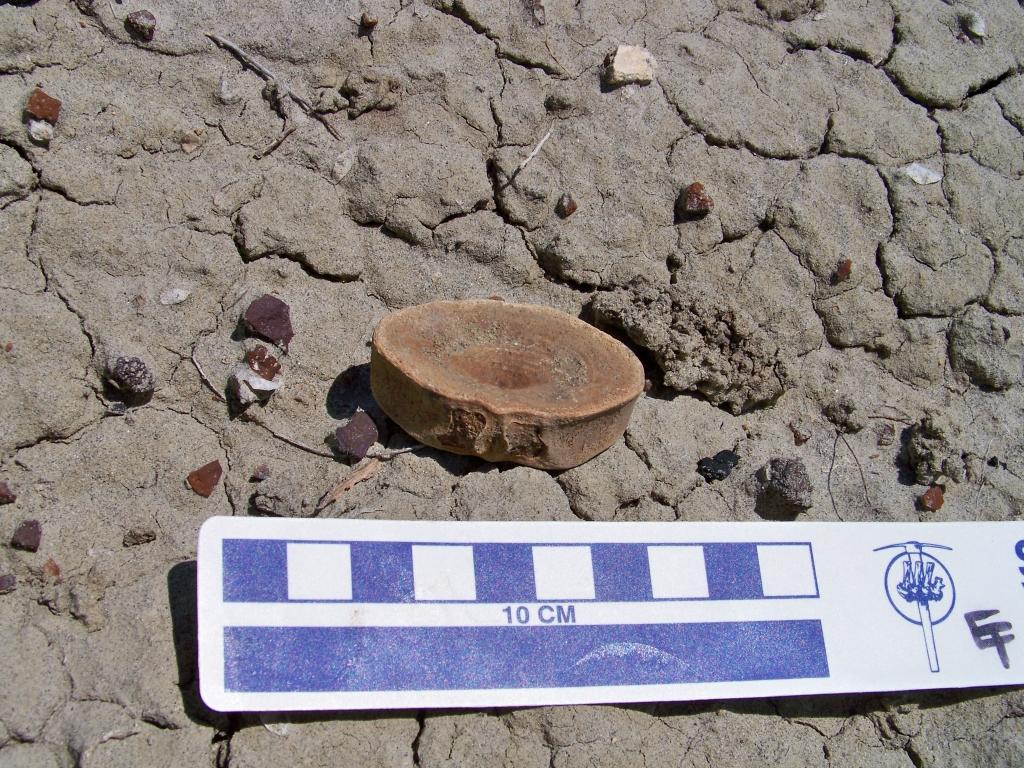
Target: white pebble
343, 164
250, 387
974, 23
40, 131
174, 296
630, 64
921, 174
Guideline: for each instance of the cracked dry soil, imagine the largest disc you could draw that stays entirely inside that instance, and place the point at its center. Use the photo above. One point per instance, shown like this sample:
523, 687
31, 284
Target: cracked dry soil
829, 308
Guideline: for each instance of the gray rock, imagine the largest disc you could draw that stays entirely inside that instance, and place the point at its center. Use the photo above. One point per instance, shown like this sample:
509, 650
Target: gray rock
598, 489
784, 489
703, 343
988, 348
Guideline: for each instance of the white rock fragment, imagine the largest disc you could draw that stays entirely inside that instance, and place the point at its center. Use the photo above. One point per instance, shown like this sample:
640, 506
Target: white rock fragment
973, 23
40, 131
630, 64
250, 387
343, 164
174, 296
922, 174
278, 724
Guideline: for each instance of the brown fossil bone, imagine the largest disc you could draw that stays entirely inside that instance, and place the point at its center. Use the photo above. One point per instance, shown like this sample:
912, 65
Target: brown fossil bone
507, 382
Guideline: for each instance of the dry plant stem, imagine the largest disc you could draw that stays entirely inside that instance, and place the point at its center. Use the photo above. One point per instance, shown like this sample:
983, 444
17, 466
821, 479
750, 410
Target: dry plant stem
835, 447
275, 143
350, 480
206, 381
266, 74
863, 482
536, 149
293, 443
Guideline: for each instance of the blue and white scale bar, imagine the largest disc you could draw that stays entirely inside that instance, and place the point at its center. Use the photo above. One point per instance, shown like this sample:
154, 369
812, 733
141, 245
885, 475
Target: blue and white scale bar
343, 614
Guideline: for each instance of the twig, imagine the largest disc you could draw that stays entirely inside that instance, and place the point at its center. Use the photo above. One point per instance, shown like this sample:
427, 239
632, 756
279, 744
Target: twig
350, 480
275, 143
266, 74
536, 149
890, 418
206, 381
389, 455
293, 443
835, 447
863, 482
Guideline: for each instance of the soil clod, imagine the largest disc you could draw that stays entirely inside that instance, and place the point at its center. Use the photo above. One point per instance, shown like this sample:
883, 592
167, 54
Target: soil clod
785, 489
136, 536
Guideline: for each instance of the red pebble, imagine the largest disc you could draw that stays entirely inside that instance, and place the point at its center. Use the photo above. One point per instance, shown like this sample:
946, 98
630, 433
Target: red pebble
932, 499
205, 479
270, 318
697, 199
263, 363
28, 536
7, 496
43, 106
51, 570
566, 206
844, 270
356, 437
261, 473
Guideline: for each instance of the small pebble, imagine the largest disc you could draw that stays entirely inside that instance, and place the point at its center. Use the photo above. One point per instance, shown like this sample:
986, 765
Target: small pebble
973, 23
719, 466
886, 434
932, 499
801, 434
28, 536
844, 270
8, 583
174, 296
52, 571
495, 298
132, 377
205, 479
697, 199
356, 437
270, 318
629, 64
261, 473
8, 346
42, 106
263, 363
250, 387
922, 175
40, 131
994, 461
137, 536
7, 496
367, 22
566, 206
116, 409
142, 24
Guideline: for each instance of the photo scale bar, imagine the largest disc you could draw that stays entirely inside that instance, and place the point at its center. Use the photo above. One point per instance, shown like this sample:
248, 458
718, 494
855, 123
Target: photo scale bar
277, 571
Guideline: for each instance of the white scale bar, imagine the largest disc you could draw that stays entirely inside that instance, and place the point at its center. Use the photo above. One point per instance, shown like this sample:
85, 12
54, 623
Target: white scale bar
862, 632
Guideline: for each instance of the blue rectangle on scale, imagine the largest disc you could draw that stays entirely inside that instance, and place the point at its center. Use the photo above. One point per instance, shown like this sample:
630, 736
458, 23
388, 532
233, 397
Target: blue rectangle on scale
317, 659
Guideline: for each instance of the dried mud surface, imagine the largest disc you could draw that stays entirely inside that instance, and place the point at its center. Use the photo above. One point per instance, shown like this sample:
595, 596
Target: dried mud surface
829, 308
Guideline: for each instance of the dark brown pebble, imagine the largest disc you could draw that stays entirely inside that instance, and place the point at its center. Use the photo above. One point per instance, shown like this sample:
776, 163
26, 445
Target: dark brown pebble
8, 583
800, 434
566, 206
886, 434
136, 536
844, 270
42, 106
263, 363
356, 437
697, 199
7, 496
132, 376
367, 22
270, 318
261, 473
932, 499
28, 536
142, 24
52, 571
8, 347
205, 479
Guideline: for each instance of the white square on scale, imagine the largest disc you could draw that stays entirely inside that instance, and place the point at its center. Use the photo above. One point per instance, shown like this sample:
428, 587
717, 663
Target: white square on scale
677, 572
443, 573
319, 572
786, 570
563, 573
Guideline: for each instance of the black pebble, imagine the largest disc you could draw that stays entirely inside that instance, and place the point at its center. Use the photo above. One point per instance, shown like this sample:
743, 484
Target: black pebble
719, 466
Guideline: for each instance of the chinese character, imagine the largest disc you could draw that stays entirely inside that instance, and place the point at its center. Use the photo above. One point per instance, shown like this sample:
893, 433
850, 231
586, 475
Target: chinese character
990, 635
